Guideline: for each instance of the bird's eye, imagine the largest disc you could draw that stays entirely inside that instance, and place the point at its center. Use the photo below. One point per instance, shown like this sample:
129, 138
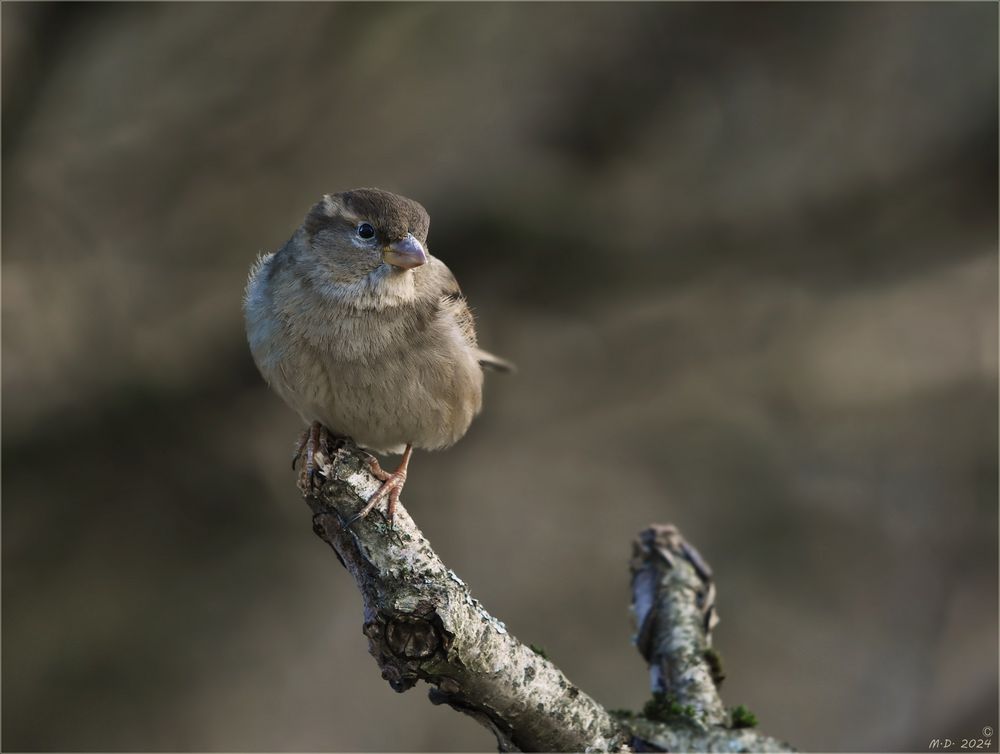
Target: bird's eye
366, 231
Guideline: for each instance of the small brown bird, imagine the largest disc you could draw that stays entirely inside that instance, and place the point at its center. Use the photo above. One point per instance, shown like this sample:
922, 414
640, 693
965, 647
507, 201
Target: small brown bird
365, 334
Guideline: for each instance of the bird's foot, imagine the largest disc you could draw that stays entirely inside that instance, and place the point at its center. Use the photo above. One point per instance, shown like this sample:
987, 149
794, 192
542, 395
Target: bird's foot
300, 447
314, 441
392, 486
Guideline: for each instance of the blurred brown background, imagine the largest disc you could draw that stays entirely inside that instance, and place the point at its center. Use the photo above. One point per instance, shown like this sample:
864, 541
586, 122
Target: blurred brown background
745, 257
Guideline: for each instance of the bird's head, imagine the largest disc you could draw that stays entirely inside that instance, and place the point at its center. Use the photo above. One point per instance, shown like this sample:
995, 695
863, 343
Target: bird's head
366, 242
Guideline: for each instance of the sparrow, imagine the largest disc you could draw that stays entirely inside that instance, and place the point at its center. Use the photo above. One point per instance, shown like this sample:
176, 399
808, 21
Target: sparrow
366, 335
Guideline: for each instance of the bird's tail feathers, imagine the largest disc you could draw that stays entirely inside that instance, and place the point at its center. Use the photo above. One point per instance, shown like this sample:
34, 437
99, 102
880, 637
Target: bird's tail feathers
494, 363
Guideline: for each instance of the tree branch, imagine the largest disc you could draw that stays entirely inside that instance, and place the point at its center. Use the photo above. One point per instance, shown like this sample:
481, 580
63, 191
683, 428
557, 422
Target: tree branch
673, 599
422, 623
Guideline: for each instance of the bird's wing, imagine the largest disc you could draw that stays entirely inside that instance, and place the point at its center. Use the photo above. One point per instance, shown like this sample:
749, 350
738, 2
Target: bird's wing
454, 303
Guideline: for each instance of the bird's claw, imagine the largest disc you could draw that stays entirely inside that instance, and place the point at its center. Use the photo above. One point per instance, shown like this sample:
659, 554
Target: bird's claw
390, 524
392, 486
352, 520
300, 446
312, 445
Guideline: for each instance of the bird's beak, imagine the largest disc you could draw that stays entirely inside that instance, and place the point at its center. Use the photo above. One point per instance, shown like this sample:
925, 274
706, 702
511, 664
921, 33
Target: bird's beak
405, 253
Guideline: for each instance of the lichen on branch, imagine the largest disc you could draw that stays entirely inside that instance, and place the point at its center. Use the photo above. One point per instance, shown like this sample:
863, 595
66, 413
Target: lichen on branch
423, 624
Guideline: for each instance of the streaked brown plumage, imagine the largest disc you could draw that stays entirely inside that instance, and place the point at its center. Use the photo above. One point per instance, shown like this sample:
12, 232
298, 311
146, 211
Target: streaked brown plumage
364, 334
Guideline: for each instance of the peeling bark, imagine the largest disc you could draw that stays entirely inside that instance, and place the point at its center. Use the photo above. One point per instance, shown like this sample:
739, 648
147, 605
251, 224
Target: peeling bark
673, 598
423, 624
